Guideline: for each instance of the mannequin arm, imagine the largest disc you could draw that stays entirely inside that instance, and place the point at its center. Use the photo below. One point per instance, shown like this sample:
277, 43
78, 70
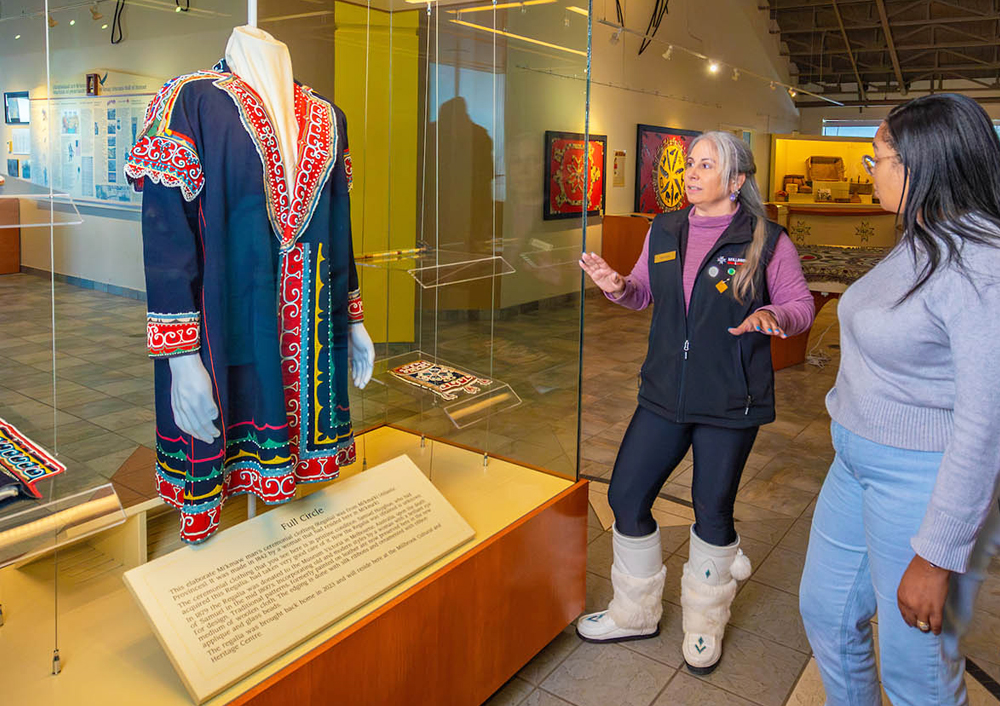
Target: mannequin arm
361, 352
191, 398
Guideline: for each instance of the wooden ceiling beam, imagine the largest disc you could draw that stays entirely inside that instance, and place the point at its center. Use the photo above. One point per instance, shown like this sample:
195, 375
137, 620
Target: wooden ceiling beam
892, 47
937, 21
850, 55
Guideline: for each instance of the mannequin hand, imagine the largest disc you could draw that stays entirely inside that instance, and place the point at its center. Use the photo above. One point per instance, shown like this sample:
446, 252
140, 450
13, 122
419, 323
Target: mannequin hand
762, 321
361, 352
601, 273
191, 398
922, 593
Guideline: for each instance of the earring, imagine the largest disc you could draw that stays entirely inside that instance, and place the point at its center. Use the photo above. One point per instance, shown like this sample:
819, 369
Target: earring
735, 195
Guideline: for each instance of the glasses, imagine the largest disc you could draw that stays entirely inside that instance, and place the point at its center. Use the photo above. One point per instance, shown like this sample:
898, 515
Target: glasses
869, 163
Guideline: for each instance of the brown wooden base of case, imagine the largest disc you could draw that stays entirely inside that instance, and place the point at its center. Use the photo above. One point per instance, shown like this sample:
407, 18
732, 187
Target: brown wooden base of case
786, 352
10, 237
621, 241
458, 636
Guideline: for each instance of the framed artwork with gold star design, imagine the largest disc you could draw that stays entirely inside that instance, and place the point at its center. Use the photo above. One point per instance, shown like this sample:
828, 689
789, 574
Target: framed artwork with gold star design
659, 168
571, 179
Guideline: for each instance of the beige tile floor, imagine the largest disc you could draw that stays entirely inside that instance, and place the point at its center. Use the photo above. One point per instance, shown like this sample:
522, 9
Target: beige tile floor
103, 413
767, 660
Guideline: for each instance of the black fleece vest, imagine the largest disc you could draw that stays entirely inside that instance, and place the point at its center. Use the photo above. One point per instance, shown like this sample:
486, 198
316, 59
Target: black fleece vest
695, 370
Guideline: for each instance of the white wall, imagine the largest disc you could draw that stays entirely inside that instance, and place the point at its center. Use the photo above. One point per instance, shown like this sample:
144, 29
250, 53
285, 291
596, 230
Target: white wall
159, 44
731, 31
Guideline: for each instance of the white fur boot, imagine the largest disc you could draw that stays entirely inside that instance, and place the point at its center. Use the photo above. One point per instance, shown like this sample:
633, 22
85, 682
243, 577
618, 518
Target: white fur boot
637, 577
708, 587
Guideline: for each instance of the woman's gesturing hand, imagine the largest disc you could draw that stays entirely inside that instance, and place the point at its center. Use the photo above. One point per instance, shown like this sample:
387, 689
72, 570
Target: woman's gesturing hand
762, 321
604, 277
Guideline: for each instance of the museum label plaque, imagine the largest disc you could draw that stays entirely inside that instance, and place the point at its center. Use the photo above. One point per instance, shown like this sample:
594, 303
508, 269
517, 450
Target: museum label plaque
224, 608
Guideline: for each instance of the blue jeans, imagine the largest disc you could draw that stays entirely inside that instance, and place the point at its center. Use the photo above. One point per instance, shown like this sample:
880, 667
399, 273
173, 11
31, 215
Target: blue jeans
872, 503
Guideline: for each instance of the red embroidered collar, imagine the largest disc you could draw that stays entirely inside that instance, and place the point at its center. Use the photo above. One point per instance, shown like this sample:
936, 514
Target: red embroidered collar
317, 154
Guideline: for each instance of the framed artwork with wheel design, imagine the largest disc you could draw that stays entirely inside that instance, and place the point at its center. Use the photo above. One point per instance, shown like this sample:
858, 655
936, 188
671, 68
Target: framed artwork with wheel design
659, 168
567, 166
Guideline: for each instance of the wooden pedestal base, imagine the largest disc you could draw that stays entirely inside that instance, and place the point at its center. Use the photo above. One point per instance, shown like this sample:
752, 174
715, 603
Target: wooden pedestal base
786, 352
458, 636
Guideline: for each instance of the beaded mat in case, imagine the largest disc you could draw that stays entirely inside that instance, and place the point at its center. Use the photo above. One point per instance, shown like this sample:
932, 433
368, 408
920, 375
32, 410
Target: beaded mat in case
22, 464
447, 383
829, 263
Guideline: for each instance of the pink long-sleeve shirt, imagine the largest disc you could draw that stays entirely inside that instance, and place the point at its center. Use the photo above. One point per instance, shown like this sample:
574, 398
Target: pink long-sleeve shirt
791, 302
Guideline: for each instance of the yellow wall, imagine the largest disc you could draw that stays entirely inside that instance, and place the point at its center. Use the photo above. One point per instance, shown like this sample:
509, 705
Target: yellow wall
383, 141
790, 157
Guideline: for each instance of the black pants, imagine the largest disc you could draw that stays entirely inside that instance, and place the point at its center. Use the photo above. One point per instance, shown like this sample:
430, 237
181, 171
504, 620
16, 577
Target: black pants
651, 450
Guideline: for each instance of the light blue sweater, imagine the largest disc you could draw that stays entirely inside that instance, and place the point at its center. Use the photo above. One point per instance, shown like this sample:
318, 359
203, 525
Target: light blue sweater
925, 375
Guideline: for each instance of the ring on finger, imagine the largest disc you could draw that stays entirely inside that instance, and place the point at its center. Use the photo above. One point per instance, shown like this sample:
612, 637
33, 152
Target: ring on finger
923, 627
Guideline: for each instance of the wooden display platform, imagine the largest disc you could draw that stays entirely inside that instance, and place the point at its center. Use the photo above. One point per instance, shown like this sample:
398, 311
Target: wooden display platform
452, 634
10, 236
621, 241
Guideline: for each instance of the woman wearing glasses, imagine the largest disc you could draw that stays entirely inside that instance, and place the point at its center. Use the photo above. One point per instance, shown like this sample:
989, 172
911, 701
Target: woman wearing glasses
907, 519
724, 279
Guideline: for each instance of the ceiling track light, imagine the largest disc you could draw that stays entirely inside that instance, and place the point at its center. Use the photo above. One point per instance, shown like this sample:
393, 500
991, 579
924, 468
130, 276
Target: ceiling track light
773, 87
52, 21
669, 52
736, 74
95, 13
792, 92
713, 67
616, 35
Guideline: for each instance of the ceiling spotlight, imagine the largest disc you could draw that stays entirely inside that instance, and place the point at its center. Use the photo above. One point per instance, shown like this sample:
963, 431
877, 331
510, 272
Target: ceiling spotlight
736, 74
104, 26
773, 86
52, 21
713, 66
72, 22
17, 36
95, 14
669, 52
792, 92
617, 35
178, 9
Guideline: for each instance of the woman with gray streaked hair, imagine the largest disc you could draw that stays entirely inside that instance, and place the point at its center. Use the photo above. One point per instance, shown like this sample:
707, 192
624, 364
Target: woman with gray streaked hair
724, 280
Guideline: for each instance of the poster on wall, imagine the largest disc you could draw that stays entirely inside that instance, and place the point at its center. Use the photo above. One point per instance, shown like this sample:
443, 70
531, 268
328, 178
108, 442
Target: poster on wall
659, 168
568, 185
90, 134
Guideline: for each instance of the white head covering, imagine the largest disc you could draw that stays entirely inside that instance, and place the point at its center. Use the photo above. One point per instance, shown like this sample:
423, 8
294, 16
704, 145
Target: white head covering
265, 64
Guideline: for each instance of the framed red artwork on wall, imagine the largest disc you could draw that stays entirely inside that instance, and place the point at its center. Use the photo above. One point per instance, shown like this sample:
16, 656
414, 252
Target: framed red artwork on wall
572, 177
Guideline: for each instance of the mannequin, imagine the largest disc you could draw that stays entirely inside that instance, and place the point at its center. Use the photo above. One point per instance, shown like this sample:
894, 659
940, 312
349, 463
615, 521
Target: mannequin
246, 177
265, 64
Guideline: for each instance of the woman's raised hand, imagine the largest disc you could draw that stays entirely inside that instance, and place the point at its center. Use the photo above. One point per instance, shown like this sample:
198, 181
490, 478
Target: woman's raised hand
604, 277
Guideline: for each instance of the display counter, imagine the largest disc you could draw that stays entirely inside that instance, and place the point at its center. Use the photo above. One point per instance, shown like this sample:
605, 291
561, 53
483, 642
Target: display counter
843, 225
520, 581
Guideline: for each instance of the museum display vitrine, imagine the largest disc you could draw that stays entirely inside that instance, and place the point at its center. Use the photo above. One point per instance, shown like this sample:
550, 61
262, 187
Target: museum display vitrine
239, 301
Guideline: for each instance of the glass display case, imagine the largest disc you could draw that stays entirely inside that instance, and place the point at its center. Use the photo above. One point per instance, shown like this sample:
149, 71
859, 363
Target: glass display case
434, 198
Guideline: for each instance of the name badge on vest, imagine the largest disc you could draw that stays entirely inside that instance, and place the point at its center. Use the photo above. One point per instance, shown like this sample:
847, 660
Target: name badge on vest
665, 257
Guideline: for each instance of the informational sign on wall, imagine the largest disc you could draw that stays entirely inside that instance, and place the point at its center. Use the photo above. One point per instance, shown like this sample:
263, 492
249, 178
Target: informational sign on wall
223, 609
90, 136
618, 167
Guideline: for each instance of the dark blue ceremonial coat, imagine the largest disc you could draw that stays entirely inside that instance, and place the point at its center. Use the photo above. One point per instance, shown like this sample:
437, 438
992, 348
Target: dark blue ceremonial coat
259, 282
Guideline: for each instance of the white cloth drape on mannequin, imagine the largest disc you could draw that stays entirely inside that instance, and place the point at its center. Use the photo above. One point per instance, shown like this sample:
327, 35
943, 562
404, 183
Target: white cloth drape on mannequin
265, 64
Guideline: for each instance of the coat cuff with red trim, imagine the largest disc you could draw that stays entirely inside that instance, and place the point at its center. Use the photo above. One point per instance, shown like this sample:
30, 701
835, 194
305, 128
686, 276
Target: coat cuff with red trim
173, 334
355, 309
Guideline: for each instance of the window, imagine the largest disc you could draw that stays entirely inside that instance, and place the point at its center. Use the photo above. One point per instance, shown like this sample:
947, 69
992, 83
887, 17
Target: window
850, 128
863, 128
